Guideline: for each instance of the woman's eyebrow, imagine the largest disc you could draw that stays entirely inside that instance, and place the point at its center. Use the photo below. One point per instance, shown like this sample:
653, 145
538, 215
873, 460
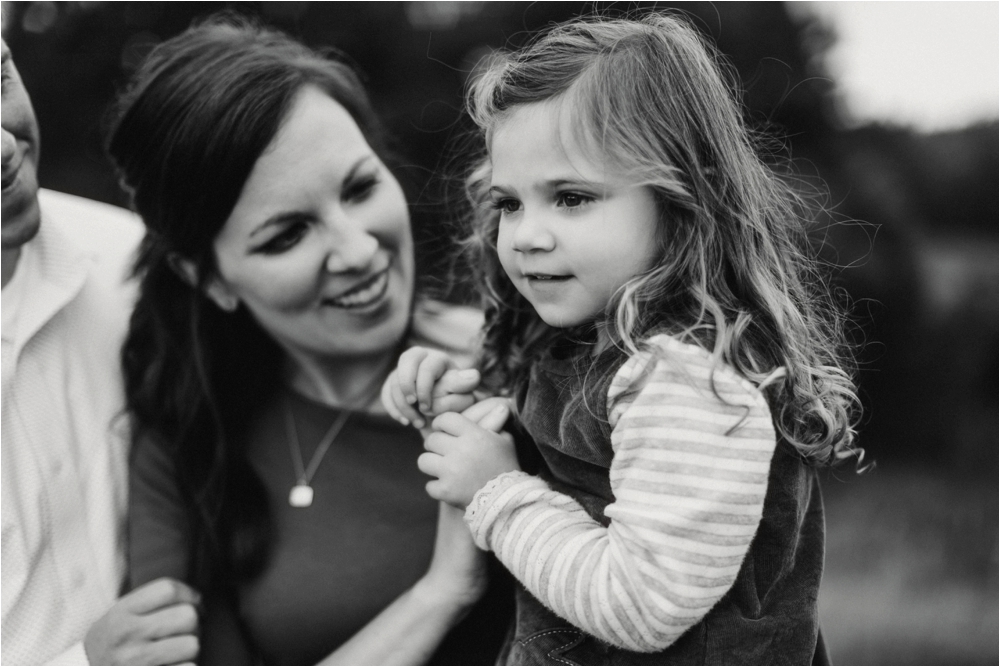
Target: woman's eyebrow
360, 162
290, 216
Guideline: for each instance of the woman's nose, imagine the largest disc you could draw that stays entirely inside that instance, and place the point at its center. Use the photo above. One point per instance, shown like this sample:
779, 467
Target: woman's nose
352, 249
532, 234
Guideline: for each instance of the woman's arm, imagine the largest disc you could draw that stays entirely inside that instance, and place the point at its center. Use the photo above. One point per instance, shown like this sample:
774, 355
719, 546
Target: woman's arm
409, 630
159, 560
689, 476
158, 531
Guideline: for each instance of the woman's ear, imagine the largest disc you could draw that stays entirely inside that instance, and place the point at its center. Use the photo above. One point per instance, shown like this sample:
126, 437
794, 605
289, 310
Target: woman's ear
219, 292
215, 290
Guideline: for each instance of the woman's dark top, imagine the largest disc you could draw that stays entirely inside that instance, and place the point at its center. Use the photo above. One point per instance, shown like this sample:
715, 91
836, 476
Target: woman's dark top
333, 566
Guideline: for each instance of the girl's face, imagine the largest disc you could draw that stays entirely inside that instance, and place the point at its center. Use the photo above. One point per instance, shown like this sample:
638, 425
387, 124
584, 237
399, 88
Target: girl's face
318, 246
571, 231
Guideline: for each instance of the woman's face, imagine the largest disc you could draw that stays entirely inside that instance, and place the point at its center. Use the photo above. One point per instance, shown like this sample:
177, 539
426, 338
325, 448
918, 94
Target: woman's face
318, 246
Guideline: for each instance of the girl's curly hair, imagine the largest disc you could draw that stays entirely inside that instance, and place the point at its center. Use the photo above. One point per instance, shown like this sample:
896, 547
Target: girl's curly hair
736, 273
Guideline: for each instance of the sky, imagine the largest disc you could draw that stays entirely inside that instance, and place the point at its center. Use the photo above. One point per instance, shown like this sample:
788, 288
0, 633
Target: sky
925, 65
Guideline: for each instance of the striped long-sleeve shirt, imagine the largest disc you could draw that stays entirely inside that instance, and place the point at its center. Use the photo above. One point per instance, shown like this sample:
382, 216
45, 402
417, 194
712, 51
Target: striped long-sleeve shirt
691, 453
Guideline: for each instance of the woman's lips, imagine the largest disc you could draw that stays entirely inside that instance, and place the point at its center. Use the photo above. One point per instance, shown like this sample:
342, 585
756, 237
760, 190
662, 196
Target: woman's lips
365, 294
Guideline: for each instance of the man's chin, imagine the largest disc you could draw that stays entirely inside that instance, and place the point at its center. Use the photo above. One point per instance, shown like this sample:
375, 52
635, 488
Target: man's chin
21, 223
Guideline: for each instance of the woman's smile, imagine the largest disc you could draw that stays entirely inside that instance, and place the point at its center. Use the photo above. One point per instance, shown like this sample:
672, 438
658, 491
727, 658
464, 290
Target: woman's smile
367, 294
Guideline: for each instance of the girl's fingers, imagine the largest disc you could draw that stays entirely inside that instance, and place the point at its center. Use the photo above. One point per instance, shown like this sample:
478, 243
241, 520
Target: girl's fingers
436, 443
452, 403
484, 407
435, 489
406, 369
434, 366
407, 414
452, 423
410, 413
457, 382
389, 401
496, 418
429, 463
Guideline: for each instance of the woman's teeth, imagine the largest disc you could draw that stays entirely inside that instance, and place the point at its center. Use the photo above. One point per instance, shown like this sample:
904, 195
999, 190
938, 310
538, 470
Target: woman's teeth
364, 295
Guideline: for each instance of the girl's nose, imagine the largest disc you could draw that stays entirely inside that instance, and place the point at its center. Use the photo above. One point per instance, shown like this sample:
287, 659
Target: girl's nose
532, 234
352, 249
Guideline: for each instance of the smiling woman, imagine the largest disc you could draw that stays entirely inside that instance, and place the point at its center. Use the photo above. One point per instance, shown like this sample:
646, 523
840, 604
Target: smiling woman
277, 290
318, 245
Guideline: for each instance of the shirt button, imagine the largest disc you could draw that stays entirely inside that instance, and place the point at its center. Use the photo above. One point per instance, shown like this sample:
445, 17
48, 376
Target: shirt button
79, 579
57, 467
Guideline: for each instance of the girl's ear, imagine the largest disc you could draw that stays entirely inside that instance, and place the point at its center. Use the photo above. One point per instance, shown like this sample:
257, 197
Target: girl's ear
216, 290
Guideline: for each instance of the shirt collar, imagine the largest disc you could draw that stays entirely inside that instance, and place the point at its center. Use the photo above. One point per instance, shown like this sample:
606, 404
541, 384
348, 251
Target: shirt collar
61, 270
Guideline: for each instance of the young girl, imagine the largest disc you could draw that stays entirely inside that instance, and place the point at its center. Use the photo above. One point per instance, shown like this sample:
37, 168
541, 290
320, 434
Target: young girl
654, 313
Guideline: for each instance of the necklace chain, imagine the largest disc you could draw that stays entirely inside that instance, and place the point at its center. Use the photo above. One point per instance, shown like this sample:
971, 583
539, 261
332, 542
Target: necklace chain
303, 474
302, 493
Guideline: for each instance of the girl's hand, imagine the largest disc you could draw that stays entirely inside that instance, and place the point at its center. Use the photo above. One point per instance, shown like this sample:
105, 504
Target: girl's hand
425, 383
463, 455
457, 573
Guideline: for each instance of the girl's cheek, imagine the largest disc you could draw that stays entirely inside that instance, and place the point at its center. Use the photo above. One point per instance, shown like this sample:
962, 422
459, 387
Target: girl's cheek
504, 252
507, 265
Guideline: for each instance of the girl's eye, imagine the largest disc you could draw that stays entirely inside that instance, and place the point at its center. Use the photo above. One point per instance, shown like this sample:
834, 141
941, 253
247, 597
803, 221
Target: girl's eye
359, 189
572, 199
285, 239
507, 205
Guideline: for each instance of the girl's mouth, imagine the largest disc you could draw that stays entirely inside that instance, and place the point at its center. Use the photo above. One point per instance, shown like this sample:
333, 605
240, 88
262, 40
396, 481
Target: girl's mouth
546, 277
365, 294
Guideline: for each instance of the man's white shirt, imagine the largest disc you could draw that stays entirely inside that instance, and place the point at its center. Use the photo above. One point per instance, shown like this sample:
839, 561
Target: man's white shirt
64, 438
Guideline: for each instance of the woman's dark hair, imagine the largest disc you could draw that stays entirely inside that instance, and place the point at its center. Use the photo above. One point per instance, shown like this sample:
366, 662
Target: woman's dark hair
185, 136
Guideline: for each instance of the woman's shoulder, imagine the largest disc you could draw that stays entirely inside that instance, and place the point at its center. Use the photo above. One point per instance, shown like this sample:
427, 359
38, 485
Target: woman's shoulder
449, 327
665, 364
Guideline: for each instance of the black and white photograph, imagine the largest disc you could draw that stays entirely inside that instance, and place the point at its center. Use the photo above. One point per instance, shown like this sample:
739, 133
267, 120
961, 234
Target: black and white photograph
525, 333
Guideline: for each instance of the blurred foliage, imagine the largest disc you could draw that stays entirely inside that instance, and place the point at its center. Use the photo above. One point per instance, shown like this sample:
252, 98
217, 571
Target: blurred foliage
920, 270
911, 570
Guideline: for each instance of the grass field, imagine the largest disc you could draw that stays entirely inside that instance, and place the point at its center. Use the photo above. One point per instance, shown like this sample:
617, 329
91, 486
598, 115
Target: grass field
911, 568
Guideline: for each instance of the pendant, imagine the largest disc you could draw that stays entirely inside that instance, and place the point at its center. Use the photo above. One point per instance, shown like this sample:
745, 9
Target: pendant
301, 496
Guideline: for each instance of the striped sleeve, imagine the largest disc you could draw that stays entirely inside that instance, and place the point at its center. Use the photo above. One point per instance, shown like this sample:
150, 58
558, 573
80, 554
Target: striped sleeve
692, 448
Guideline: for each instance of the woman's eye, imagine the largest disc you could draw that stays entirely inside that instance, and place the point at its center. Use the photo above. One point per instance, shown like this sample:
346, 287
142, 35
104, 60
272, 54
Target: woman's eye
285, 239
507, 205
360, 188
572, 199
